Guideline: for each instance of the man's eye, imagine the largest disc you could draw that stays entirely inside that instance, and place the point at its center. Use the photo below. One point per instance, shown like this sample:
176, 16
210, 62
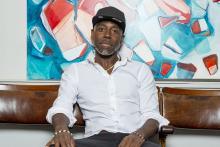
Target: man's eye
115, 30
100, 29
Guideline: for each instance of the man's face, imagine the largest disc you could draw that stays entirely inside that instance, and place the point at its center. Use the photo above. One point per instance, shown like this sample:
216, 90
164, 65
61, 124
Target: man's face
107, 38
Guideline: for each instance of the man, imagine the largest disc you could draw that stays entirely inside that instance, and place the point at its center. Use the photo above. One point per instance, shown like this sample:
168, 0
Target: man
117, 96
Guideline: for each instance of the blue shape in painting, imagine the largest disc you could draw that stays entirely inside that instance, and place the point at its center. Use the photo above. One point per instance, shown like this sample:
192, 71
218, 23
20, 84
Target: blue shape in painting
37, 39
184, 74
37, 1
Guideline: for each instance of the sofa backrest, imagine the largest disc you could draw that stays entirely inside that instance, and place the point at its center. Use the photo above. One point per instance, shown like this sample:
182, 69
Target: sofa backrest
28, 104
191, 108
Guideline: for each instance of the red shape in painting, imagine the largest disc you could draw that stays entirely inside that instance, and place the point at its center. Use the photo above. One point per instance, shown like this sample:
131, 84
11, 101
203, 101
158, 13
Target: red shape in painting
186, 15
211, 63
196, 27
89, 6
188, 67
165, 21
56, 11
165, 68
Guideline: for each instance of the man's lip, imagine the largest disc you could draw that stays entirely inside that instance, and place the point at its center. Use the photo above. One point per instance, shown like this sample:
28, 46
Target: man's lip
105, 44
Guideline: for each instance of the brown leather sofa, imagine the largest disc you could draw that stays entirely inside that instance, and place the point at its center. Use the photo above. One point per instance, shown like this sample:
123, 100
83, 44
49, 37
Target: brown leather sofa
190, 109
185, 108
28, 104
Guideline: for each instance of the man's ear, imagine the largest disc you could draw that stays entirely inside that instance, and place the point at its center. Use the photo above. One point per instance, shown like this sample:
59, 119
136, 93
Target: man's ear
92, 36
122, 39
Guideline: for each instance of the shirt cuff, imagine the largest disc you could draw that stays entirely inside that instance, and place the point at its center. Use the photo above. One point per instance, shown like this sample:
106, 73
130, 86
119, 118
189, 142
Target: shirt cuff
161, 120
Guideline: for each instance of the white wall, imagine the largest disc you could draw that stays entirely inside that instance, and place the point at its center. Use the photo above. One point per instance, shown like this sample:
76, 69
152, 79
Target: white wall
13, 40
13, 68
38, 136
29, 136
194, 138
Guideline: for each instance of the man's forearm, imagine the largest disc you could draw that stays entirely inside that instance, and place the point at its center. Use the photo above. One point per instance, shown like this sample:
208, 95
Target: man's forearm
60, 122
62, 136
138, 137
149, 128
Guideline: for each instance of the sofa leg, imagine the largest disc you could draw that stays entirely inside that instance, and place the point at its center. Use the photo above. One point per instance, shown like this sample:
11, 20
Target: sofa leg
163, 141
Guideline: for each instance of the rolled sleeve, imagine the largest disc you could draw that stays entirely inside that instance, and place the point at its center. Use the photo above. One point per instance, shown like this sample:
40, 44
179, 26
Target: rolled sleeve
67, 96
54, 110
149, 106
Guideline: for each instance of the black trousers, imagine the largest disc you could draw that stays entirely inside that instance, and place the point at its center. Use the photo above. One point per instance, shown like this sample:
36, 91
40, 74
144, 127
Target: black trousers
107, 139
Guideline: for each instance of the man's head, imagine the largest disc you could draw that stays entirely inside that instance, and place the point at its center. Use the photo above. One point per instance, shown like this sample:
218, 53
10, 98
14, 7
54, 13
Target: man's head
111, 14
108, 29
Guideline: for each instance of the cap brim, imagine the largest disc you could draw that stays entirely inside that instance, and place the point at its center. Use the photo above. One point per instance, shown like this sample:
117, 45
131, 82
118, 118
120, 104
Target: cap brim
96, 20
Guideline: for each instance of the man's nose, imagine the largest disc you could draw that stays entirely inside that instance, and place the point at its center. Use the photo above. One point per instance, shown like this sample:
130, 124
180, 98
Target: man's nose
107, 33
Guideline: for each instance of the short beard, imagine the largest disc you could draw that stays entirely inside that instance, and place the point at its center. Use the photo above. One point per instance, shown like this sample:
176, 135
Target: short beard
105, 53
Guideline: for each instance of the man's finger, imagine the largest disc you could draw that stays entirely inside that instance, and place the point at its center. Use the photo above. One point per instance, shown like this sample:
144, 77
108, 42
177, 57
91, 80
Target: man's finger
50, 142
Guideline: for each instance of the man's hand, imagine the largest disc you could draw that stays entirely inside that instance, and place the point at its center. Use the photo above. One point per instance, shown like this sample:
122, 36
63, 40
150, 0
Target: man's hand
63, 139
131, 140
137, 138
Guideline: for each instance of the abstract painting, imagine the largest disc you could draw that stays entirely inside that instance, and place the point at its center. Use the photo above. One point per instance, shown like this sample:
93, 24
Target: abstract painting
177, 39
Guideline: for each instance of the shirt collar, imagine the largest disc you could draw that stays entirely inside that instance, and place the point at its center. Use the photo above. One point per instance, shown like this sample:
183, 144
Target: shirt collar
124, 59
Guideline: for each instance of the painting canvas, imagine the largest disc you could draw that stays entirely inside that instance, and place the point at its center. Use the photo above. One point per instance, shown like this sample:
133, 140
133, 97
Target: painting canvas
178, 39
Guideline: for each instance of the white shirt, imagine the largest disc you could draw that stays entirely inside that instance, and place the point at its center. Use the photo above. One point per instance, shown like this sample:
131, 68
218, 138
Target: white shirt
119, 102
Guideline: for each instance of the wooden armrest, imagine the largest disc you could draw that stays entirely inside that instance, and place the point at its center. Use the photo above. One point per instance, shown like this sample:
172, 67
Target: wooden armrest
165, 130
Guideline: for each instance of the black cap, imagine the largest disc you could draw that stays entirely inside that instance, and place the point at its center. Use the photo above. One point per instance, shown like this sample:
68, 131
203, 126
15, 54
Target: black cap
112, 14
